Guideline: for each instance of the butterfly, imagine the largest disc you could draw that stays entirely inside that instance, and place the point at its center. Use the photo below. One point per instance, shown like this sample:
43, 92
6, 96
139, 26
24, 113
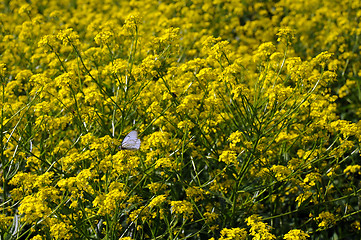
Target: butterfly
131, 141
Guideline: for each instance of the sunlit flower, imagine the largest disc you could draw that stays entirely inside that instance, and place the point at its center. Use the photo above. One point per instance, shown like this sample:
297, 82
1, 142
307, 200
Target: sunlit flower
233, 234
296, 234
183, 208
325, 219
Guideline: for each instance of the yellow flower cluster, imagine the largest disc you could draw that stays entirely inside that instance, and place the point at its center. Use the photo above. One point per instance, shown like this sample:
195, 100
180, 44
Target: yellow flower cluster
241, 107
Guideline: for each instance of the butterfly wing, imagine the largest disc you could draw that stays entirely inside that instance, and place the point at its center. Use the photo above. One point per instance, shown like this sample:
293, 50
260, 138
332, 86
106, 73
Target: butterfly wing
131, 141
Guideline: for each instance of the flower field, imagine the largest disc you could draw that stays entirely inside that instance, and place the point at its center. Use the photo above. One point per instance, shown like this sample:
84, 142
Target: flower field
247, 113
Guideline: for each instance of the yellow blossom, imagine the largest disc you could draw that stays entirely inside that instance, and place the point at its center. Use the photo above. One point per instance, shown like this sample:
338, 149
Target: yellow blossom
296, 234
326, 219
183, 208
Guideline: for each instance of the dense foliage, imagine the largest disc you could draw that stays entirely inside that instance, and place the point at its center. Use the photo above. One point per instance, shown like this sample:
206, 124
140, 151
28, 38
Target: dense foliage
247, 112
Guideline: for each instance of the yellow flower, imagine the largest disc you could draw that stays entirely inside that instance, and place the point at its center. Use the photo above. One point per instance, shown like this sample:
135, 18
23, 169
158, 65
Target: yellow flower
103, 37
229, 157
155, 187
165, 163
2, 69
304, 196
233, 234
158, 140
259, 230
68, 36
326, 219
352, 169
286, 35
281, 172
48, 42
119, 66
5, 220
296, 234
322, 58
157, 201
216, 48
264, 51
131, 23
183, 208
195, 193
37, 237
211, 217
66, 79
312, 178
60, 230
34, 209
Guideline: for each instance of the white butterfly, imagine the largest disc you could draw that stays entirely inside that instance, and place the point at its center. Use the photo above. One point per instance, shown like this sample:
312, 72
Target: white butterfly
131, 141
